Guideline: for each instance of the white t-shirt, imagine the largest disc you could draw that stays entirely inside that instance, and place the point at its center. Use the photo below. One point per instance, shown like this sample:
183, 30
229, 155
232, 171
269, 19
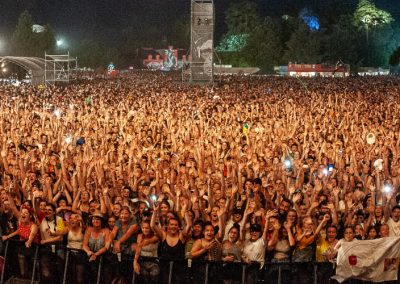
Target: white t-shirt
394, 228
53, 226
255, 251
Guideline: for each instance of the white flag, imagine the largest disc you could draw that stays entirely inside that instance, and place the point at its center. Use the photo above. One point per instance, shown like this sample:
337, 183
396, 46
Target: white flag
370, 260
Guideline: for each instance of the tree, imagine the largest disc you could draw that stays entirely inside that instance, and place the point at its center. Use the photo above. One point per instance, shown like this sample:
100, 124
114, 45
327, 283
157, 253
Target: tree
288, 25
113, 55
26, 42
242, 17
344, 42
367, 16
90, 54
384, 40
304, 46
180, 37
232, 43
23, 40
45, 42
264, 48
394, 59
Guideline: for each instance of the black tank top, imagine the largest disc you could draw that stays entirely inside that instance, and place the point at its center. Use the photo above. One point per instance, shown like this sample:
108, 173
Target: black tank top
176, 252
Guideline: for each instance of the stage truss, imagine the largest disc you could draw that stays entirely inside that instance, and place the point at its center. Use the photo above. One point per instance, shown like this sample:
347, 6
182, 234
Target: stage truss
58, 68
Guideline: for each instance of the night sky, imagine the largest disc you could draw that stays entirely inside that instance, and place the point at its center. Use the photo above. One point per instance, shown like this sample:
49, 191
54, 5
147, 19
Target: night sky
77, 19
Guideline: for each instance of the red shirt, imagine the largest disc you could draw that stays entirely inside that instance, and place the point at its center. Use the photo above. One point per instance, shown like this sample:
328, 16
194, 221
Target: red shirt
24, 232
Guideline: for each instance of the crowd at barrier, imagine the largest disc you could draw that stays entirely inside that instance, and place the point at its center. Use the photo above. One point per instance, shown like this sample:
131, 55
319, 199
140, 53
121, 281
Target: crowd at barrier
230, 180
196, 271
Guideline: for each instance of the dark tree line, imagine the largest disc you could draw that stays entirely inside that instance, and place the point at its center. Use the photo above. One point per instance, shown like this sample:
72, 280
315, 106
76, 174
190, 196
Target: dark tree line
361, 36
250, 33
26, 41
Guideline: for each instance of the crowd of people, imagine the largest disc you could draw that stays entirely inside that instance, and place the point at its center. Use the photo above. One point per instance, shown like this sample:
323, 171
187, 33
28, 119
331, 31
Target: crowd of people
139, 171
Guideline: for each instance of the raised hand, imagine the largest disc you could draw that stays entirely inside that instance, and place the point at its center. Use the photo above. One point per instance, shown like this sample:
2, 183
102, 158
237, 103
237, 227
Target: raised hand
327, 217
287, 225
271, 213
297, 198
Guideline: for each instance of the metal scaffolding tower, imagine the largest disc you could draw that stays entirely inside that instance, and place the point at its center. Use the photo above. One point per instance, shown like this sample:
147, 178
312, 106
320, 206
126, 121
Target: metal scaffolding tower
202, 41
58, 67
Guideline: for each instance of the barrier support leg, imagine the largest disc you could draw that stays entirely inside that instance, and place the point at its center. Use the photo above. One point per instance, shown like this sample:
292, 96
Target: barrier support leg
35, 260
315, 273
4, 265
206, 276
279, 274
243, 274
66, 267
133, 277
99, 270
171, 265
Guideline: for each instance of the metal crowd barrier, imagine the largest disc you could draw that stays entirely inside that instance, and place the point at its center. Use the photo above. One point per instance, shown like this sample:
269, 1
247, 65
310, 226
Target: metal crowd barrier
274, 273
35, 260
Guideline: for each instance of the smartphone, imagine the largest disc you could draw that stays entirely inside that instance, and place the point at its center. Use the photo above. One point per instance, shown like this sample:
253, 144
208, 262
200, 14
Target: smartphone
288, 164
330, 167
154, 199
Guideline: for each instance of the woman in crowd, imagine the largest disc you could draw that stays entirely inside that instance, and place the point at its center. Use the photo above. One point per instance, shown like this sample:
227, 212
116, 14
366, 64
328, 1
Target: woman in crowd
28, 233
282, 245
116, 210
348, 237
231, 255
371, 233
171, 247
325, 254
74, 231
384, 231
96, 243
145, 263
124, 235
207, 248
165, 208
304, 250
305, 238
81, 204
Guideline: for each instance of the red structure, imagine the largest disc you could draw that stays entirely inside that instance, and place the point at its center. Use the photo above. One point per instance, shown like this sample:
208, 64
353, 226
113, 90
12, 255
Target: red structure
323, 70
